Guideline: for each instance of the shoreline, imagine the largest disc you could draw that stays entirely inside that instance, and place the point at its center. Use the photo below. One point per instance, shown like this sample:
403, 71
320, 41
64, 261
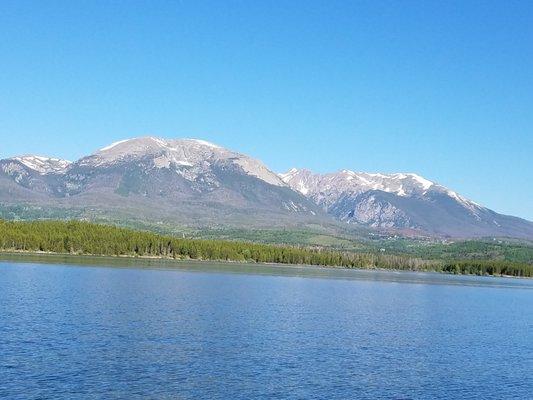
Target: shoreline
44, 257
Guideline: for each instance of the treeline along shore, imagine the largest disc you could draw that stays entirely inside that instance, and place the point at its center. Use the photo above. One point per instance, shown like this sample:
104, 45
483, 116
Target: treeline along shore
85, 238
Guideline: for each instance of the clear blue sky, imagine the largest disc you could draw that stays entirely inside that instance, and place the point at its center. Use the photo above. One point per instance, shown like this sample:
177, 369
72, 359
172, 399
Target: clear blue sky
444, 89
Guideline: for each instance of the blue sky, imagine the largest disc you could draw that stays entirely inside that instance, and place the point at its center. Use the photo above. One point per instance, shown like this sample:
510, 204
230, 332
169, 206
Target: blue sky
444, 89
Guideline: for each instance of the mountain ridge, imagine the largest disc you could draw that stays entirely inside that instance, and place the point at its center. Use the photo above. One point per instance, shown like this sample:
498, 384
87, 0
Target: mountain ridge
402, 201
181, 181
193, 181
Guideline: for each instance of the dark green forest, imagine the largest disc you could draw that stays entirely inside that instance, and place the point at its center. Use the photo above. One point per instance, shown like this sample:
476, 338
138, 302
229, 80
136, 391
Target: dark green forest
84, 238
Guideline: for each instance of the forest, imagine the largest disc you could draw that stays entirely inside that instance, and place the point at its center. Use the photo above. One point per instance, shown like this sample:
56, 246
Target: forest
85, 238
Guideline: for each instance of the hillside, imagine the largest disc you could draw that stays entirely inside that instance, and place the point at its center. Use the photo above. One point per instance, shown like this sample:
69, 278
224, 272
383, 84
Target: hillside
84, 238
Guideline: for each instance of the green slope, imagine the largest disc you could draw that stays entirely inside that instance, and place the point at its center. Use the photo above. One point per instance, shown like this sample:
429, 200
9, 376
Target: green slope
75, 237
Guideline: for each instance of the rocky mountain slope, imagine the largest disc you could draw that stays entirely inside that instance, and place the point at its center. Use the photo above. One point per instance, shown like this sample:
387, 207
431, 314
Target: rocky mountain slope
186, 181
402, 202
197, 183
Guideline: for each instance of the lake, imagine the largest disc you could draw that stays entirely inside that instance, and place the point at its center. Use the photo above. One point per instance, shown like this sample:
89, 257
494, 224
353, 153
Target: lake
229, 331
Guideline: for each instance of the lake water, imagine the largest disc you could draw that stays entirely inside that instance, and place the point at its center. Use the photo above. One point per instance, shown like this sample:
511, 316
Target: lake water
218, 331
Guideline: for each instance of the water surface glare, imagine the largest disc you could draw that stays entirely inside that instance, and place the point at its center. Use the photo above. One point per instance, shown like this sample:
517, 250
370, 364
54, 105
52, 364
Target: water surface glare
199, 332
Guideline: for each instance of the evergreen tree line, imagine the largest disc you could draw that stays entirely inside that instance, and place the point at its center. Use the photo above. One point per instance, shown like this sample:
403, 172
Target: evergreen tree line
77, 237
488, 267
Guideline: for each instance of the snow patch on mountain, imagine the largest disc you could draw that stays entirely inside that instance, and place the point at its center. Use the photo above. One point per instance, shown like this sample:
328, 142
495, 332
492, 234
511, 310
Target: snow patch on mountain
205, 143
472, 206
113, 145
43, 165
333, 185
191, 158
327, 189
426, 184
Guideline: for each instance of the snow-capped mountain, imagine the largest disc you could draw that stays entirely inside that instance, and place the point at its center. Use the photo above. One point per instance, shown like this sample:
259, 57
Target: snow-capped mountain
194, 182
401, 201
43, 165
327, 188
182, 180
190, 158
36, 173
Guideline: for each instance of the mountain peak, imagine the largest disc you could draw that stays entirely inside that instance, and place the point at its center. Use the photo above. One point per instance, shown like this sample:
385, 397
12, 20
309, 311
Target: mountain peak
345, 180
327, 188
139, 144
426, 184
148, 143
383, 200
189, 157
43, 165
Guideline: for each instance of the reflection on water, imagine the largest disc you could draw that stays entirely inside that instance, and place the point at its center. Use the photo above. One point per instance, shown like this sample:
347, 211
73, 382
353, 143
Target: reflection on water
273, 269
160, 329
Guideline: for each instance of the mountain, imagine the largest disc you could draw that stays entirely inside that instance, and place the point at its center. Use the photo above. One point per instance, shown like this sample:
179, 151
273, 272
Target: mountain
43, 165
184, 181
190, 182
402, 202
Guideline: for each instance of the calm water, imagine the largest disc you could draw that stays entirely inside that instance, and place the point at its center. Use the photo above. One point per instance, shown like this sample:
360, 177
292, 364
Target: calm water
201, 332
